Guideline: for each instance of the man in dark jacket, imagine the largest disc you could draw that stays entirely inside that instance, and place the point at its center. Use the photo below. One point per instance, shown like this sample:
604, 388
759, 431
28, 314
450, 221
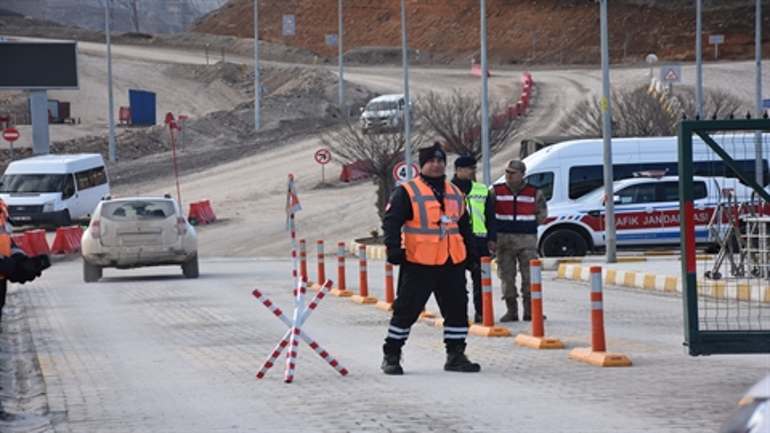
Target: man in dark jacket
481, 214
427, 233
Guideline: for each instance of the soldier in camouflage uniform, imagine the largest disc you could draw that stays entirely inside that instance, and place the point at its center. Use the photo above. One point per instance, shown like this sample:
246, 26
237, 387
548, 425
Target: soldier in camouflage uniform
519, 209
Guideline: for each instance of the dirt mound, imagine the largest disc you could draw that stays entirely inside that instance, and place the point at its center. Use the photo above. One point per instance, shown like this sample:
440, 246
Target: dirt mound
519, 31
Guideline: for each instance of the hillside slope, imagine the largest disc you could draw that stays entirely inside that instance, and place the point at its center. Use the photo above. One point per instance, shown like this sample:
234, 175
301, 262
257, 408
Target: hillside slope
519, 31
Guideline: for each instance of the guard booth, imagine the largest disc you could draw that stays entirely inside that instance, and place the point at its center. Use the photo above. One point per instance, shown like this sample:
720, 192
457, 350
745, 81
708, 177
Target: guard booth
726, 297
142, 105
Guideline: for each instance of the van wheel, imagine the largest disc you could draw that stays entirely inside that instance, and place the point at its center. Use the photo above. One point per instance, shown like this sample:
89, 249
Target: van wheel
64, 219
190, 267
91, 273
564, 243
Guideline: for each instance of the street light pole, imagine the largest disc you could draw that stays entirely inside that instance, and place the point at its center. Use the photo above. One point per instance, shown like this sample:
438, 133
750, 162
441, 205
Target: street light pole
408, 116
339, 58
107, 7
607, 134
257, 84
484, 97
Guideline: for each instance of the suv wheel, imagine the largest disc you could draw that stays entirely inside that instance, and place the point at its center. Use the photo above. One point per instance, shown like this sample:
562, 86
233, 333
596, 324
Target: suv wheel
564, 243
190, 267
91, 273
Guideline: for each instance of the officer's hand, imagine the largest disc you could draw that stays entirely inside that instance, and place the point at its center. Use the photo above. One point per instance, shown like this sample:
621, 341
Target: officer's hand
7, 266
27, 268
397, 257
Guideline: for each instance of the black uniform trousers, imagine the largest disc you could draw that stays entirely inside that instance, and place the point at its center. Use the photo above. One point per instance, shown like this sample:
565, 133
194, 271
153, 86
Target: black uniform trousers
415, 285
482, 250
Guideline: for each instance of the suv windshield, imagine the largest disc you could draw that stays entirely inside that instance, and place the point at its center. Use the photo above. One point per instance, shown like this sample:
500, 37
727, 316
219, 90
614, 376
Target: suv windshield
381, 106
33, 183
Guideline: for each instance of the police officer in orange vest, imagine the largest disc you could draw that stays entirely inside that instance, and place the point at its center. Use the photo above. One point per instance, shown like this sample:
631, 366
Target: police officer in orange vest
427, 233
15, 266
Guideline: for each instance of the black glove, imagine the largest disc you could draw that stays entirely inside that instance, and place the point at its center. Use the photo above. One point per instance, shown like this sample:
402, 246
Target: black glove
397, 257
27, 268
472, 264
7, 266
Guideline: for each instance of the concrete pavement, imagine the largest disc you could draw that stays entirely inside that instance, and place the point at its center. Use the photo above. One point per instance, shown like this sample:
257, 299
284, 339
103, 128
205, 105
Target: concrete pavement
146, 350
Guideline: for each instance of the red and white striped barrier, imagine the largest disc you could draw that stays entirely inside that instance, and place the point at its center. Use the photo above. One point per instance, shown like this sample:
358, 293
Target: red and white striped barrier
296, 331
597, 354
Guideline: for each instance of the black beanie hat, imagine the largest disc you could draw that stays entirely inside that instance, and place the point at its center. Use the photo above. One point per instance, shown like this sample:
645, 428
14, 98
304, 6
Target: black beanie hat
428, 153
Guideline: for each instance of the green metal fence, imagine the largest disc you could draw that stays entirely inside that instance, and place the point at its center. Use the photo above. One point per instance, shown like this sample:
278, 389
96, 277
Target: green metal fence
726, 296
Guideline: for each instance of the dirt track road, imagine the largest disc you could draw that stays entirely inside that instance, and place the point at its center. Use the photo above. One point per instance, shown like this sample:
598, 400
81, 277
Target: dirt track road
248, 195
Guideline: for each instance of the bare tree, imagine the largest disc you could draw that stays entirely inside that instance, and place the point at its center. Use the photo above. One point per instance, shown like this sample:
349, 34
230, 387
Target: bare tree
374, 154
457, 120
717, 103
637, 113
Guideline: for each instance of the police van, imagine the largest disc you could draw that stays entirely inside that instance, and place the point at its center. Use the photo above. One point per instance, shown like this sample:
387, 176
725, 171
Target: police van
54, 189
568, 170
647, 214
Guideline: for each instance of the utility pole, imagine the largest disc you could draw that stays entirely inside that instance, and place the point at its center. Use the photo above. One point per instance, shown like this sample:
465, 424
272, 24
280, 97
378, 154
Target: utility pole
135, 15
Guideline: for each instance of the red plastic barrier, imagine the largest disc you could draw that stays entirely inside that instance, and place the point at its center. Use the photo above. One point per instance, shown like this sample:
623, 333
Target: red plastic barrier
37, 243
499, 121
526, 78
67, 240
476, 70
512, 112
21, 241
473, 133
201, 211
526, 89
522, 110
525, 100
353, 172
124, 114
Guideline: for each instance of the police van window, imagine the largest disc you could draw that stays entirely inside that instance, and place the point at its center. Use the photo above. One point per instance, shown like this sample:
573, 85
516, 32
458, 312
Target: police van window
91, 178
69, 188
643, 193
543, 182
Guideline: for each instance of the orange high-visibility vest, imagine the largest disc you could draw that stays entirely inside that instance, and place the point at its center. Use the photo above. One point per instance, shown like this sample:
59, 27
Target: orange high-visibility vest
428, 238
5, 238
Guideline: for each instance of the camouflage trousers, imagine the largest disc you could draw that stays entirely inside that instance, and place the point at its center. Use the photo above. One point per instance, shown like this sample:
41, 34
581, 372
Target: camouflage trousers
514, 251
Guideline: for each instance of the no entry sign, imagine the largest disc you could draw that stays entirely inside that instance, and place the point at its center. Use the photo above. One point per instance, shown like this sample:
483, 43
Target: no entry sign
10, 134
322, 156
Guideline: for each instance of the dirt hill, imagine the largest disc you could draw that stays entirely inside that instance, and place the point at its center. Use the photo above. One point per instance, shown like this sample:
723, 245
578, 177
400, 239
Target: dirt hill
519, 31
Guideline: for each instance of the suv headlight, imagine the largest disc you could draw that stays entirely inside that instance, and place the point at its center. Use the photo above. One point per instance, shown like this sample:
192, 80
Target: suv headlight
48, 206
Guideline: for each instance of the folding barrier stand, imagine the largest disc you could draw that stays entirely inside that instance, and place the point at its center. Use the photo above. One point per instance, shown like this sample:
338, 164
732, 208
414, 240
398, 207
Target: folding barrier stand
488, 328
537, 340
597, 354
295, 331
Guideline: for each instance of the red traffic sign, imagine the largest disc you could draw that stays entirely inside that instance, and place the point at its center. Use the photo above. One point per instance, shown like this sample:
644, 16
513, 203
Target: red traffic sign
10, 134
322, 156
399, 171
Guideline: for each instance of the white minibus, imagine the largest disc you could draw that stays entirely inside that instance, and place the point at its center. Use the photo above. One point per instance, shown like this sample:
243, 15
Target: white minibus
568, 170
54, 189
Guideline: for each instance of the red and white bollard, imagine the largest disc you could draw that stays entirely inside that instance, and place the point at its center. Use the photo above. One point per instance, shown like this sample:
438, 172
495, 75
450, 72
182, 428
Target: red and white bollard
537, 340
390, 296
363, 280
487, 327
341, 289
597, 354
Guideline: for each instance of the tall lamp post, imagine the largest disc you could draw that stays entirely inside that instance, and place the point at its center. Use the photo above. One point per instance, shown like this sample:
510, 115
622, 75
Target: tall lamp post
408, 117
484, 97
107, 8
339, 57
607, 134
257, 85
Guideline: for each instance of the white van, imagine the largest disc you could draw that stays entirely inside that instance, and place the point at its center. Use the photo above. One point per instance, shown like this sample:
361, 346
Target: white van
568, 170
54, 189
384, 113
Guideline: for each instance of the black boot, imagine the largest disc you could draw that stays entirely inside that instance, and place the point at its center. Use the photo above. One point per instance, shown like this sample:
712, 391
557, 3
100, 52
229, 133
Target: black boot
391, 364
457, 361
512, 314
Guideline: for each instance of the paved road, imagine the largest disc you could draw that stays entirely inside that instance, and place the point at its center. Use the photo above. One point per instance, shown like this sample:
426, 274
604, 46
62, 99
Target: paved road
146, 350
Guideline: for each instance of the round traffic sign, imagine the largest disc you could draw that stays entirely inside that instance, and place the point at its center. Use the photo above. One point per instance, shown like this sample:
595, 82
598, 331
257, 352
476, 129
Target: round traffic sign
399, 171
322, 156
10, 134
